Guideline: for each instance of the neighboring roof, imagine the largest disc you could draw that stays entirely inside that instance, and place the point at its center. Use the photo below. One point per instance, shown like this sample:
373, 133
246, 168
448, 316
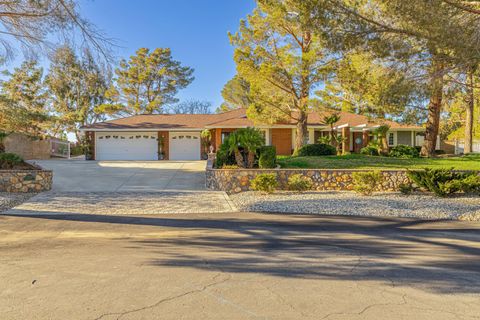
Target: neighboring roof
235, 118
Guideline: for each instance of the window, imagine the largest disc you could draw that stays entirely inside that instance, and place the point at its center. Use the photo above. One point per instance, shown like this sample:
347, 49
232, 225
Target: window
391, 139
225, 135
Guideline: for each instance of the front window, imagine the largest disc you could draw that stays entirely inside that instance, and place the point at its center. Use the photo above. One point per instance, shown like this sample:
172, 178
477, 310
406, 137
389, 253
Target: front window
391, 139
225, 135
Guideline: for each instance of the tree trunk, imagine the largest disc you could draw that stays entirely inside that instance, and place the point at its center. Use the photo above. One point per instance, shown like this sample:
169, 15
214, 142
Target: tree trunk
434, 109
333, 137
239, 159
250, 159
301, 132
469, 112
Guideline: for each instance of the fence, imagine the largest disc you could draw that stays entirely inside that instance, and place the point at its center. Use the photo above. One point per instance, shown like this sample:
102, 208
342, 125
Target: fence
460, 145
60, 148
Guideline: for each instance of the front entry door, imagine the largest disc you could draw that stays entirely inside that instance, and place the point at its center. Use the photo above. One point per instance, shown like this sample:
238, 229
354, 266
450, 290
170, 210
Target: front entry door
357, 141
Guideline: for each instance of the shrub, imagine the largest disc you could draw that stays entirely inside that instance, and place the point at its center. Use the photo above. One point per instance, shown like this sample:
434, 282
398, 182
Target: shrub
370, 150
224, 155
265, 182
366, 182
230, 166
405, 188
268, 157
299, 182
317, 149
471, 184
443, 182
404, 151
9, 160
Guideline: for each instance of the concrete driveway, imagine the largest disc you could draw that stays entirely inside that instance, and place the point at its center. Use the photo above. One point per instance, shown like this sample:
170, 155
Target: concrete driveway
125, 176
126, 188
237, 266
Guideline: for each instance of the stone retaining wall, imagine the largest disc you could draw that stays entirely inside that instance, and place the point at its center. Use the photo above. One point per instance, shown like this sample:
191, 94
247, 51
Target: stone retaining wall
25, 180
238, 180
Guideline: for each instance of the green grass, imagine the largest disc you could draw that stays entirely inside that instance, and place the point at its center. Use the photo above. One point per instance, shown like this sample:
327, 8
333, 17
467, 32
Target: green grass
358, 161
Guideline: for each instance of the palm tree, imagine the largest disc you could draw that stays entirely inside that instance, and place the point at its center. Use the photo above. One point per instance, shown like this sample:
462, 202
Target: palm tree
233, 142
251, 140
206, 136
381, 134
331, 120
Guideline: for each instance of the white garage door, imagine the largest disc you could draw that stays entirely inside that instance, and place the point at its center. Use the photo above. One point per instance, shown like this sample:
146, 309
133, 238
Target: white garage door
126, 146
184, 145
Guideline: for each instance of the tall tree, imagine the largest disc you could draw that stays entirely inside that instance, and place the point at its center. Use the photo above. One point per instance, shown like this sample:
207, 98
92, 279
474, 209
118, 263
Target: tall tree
23, 101
433, 36
147, 82
235, 94
191, 107
38, 25
281, 58
369, 86
77, 86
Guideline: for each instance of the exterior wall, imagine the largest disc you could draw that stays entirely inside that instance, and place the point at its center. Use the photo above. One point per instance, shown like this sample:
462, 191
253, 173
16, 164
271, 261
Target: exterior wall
404, 137
217, 136
166, 142
282, 140
27, 148
448, 146
238, 180
25, 180
90, 142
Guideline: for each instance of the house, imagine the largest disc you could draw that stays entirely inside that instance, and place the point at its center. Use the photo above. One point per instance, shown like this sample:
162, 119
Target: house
177, 136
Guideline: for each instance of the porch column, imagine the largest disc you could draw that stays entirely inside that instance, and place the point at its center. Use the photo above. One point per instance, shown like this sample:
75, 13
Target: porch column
311, 136
268, 137
218, 138
365, 138
346, 140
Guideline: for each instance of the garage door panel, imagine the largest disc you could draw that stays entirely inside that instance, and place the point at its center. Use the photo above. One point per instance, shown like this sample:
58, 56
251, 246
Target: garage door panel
184, 145
126, 146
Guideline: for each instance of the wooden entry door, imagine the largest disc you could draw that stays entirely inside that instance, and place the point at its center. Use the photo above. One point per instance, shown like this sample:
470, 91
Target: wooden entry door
357, 141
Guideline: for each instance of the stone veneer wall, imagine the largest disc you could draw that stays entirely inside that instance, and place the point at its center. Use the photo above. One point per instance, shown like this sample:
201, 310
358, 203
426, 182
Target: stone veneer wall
238, 180
25, 180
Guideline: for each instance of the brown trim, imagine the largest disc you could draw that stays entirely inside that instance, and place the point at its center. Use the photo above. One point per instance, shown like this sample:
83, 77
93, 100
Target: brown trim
166, 143
218, 139
346, 142
90, 144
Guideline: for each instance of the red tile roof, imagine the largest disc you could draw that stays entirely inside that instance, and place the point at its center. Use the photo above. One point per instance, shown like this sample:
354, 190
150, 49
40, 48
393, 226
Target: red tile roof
230, 119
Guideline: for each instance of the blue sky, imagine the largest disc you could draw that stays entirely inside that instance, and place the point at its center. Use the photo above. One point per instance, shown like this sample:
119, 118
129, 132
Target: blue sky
195, 30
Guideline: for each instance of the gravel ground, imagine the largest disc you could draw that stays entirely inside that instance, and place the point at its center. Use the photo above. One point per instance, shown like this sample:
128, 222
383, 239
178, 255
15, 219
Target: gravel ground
349, 203
10, 200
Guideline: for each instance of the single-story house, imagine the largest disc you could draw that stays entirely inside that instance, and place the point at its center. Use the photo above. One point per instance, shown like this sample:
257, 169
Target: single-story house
177, 136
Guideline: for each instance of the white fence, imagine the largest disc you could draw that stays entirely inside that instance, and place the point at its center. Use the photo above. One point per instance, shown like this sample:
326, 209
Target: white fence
460, 145
60, 148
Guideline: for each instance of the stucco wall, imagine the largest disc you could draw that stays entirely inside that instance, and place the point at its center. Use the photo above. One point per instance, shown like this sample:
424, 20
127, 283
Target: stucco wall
404, 137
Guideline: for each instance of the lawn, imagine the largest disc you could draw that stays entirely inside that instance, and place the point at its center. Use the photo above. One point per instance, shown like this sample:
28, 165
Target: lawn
358, 161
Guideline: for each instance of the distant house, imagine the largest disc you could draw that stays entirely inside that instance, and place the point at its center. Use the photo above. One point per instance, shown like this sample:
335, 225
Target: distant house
141, 137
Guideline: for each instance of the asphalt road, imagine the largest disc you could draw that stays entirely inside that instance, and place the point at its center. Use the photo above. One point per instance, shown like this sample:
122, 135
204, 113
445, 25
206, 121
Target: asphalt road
237, 266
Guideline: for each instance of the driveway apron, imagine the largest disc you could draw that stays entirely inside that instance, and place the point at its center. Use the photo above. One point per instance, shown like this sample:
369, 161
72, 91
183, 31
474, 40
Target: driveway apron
126, 187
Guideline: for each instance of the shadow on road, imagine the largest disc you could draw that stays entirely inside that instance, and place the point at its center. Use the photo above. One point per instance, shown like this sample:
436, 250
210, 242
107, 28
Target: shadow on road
439, 256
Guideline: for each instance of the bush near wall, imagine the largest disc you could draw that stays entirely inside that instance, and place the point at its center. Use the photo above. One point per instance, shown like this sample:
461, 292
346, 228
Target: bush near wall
317, 149
267, 158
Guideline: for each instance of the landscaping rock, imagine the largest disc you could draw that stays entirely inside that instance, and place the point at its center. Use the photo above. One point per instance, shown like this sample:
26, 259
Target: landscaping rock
422, 206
